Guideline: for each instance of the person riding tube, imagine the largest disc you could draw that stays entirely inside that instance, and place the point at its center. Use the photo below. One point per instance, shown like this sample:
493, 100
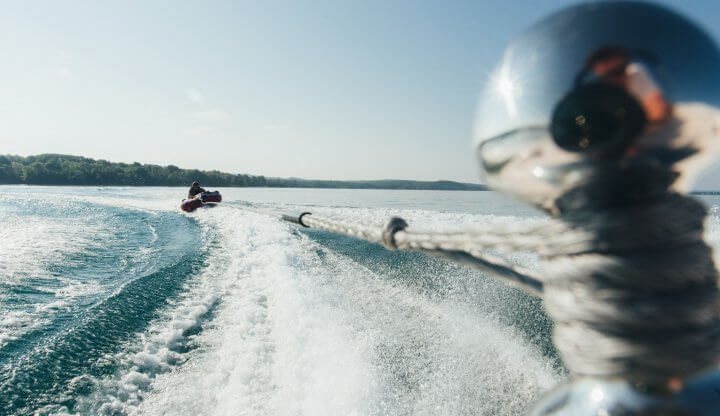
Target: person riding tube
195, 189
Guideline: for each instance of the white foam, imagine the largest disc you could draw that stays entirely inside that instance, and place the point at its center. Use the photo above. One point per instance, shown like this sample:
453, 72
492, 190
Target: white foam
295, 333
37, 245
277, 324
297, 329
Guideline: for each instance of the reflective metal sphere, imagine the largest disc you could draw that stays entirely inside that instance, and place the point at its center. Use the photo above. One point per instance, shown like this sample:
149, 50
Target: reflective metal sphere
697, 397
595, 87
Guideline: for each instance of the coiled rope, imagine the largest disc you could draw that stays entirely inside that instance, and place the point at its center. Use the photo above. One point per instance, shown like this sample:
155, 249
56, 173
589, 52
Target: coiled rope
633, 291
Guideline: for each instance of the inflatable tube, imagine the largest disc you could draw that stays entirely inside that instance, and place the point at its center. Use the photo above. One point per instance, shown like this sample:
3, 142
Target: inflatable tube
208, 199
190, 205
211, 197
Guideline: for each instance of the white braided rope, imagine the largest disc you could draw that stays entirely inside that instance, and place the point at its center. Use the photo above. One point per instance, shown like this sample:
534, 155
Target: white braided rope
354, 230
465, 249
633, 292
498, 238
536, 241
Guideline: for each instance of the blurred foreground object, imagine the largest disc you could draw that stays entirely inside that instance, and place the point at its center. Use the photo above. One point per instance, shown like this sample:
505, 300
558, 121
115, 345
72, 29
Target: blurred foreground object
603, 114
597, 87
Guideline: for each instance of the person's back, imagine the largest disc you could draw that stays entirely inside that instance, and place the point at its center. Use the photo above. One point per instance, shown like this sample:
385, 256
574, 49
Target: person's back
194, 190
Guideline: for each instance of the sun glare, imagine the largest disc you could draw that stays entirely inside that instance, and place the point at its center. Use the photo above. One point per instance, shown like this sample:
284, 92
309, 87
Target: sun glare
508, 90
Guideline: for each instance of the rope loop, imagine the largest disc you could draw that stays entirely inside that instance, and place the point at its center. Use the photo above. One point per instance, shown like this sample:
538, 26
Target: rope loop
393, 225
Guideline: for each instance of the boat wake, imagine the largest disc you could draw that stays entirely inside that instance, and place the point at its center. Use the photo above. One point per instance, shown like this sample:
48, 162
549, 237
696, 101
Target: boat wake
302, 328
230, 311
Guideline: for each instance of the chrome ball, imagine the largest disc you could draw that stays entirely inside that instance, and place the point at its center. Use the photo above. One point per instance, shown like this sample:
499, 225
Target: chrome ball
596, 87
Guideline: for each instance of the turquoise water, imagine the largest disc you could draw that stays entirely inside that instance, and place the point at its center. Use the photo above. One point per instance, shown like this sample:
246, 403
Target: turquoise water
114, 302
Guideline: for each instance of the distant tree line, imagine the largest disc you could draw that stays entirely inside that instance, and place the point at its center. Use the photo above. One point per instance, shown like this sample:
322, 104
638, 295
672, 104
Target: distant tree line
55, 169
376, 184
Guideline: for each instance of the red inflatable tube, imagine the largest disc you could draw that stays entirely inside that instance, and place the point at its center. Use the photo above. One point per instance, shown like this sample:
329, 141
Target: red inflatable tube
190, 205
211, 197
206, 198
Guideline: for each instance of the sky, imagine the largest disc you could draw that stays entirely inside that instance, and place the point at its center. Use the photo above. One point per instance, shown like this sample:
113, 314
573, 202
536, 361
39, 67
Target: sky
333, 89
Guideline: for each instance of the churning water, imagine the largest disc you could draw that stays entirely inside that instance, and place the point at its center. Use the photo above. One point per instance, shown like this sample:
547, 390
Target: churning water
114, 302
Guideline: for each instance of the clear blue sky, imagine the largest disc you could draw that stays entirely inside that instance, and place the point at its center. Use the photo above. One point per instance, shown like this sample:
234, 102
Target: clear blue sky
333, 89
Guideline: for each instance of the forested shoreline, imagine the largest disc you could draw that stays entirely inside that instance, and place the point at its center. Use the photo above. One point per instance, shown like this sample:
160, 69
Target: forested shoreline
57, 169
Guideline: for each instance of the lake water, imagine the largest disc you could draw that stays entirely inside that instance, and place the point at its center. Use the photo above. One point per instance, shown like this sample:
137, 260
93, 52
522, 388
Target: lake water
114, 302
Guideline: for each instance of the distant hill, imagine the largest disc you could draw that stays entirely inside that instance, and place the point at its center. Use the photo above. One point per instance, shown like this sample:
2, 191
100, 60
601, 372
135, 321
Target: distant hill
55, 169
